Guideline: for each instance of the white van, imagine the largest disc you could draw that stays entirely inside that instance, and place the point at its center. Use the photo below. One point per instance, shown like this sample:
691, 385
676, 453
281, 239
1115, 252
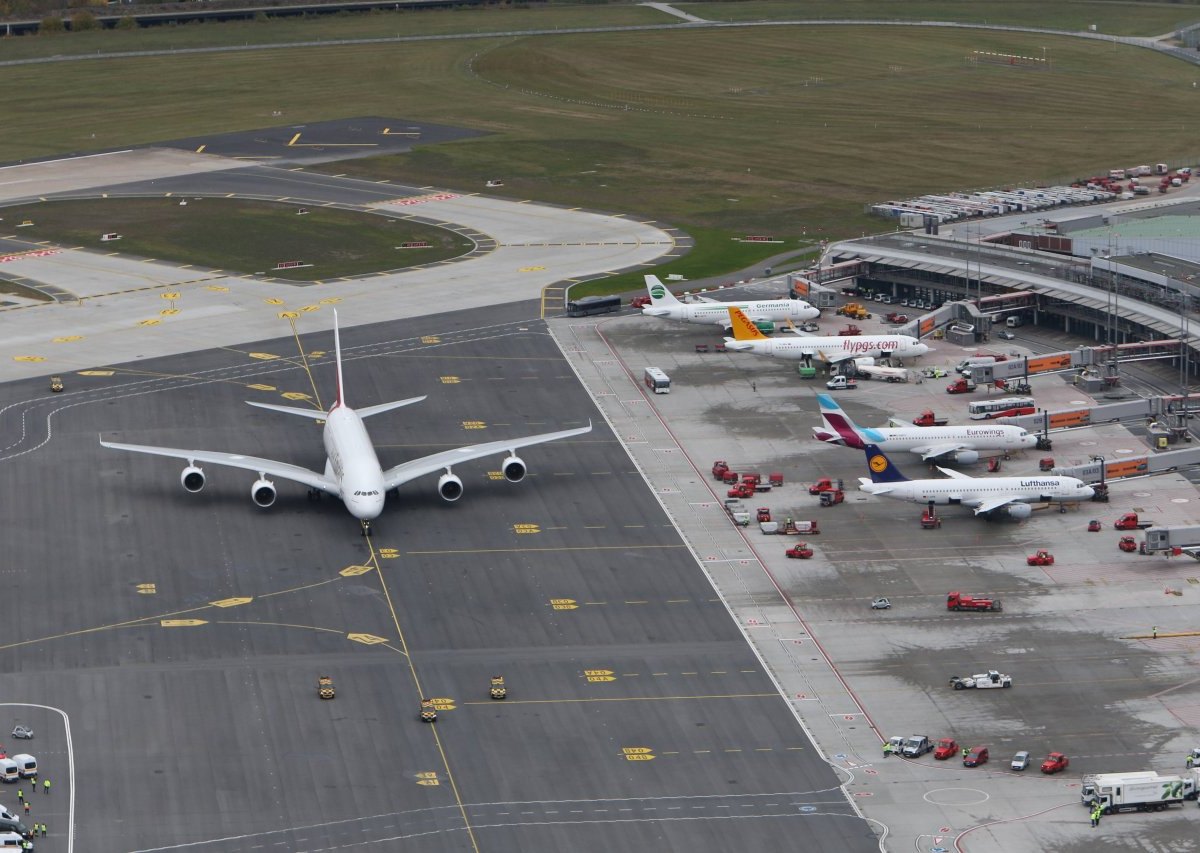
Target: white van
26, 765
1014, 321
14, 840
10, 771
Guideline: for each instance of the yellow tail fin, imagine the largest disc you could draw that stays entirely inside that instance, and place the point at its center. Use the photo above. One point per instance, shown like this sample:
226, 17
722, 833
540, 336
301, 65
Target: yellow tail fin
743, 328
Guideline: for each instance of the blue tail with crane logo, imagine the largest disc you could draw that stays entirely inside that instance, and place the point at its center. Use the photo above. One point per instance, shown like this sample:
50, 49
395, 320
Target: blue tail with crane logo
881, 468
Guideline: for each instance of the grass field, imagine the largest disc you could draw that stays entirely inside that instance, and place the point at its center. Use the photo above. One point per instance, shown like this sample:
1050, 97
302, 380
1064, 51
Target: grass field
675, 126
1125, 19
242, 236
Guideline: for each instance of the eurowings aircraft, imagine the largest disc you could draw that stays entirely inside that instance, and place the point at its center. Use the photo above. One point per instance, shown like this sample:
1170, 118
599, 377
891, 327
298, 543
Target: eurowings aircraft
1010, 496
958, 444
747, 338
352, 470
664, 304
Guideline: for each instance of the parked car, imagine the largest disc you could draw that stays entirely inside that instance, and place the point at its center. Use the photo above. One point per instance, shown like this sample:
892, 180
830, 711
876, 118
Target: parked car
1005, 335
881, 603
976, 757
1055, 762
947, 747
1020, 761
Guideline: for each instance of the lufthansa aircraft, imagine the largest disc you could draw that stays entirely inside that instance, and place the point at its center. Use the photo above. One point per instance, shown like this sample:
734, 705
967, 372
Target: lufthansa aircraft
352, 470
1009, 496
747, 338
959, 444
664, 304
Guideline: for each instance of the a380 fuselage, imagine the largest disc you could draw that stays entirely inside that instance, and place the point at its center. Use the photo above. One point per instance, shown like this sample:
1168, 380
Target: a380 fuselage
353, 463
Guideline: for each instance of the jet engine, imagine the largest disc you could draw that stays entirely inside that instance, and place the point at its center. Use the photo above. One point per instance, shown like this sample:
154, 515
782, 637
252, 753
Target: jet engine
450, 487
1019, 511
513, 468
192, 479
966, 457
263, 493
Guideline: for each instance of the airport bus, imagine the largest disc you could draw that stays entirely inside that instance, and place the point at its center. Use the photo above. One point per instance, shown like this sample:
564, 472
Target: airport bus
657, 381
984, 408
589, 305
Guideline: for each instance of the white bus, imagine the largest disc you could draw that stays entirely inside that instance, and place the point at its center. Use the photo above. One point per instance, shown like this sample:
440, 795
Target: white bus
657, 381
983, 408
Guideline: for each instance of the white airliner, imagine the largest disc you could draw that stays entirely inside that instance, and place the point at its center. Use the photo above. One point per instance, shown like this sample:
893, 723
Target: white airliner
1011, 496
959, 444
664, 304
747, 338
352, 470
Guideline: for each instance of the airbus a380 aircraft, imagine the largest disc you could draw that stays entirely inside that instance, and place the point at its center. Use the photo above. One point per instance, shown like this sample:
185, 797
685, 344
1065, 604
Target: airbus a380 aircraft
352, 470
747, 338
986, 495
664, 304
960, 444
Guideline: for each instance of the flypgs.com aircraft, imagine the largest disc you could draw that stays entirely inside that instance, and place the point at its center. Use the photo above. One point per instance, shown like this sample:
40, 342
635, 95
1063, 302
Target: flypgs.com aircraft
664, 304
986, 495
352, 470
747, 338
959, 444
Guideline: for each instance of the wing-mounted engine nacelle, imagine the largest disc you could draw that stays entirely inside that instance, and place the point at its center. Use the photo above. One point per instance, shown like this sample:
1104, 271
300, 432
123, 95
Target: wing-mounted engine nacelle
263, 493
966, 457
514, 469
1019, 511
450, 487
192, 479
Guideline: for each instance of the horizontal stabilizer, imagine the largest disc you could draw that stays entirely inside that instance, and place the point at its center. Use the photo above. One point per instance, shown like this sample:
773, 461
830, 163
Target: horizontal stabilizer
379, 409
311, 414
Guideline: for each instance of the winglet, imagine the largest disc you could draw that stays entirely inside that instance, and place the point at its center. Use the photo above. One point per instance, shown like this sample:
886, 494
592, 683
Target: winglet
743, 327
881, 468
337, 352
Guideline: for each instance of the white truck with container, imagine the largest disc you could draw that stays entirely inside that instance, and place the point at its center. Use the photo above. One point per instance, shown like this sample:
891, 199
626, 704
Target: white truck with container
1140, 791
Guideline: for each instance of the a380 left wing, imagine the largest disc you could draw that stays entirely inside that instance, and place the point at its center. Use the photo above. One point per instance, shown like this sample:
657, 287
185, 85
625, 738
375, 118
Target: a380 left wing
236, 460
406, 471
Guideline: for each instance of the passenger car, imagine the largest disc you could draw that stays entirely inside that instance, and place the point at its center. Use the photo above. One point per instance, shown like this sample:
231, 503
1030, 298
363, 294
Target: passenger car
1020, 761
1055, 762
1005, 334
947, 747
977, 756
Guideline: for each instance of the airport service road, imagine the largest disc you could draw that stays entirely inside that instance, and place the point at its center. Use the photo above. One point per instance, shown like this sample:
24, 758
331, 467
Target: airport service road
115, 309
1089, 678
184, 634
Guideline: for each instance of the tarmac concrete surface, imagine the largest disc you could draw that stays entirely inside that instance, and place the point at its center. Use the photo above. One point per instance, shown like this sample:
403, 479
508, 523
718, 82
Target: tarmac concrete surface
182, 635
1089, 678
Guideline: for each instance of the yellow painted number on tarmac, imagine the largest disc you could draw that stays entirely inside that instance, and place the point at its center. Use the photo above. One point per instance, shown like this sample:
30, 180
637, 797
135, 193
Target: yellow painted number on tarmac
154, 321
637, 753
389, 553
564, 604
169, 312
427, 778
351, 571
262, 387
366, 639
474, 425
146, 589
216, 288
273, 301
296, 395
495, 475
317, 353
182, 623
431, 339
288, 315
170, 295
263, 356
231, 602
599, 675
332, 300
33, 357
68, 339
526, 528
450, 380
443, 703
532, 269
96, 372
308, 309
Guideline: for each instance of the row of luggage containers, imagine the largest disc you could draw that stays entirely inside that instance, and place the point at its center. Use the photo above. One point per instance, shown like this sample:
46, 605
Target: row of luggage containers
946, 208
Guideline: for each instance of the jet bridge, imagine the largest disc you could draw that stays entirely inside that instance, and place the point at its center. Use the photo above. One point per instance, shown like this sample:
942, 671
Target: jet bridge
1100, 470
1088, 360
1186, 539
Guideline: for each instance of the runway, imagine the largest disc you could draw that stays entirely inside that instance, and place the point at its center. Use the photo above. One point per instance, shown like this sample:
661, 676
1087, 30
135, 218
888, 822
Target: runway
183, 634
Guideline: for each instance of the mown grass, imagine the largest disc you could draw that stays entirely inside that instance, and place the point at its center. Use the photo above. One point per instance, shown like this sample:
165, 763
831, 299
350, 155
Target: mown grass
1125, 19
241, 236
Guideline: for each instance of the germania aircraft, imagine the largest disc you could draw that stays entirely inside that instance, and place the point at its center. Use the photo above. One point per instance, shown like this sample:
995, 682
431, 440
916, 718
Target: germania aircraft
1010, 496
664, 304
747, 338
352, 470
959, 444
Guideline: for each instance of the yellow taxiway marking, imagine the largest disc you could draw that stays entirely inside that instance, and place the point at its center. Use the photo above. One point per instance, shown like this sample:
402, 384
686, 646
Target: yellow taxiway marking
553, 549
295, 143
304, 361
491, 703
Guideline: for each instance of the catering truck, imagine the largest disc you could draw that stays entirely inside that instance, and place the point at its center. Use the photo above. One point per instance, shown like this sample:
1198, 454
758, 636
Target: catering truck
1141, 791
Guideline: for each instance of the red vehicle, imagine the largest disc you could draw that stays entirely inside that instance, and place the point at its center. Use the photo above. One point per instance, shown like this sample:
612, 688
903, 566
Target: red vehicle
799, 528
930, 520
822, 485
741, 490
775, 479
729, 478
961, 601
639, 301
1130, 521
1055, 762
947, 747
960, 386
764, 513
850, 331
976, 757
896, 317
832, 497
1094, 526
1128, 544
928, 418
1010, 413
1046, 463
1041, 558
799, 551
719, 468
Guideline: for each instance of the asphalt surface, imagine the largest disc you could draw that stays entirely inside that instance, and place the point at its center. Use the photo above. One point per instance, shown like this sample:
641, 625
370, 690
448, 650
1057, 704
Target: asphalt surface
182, 635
